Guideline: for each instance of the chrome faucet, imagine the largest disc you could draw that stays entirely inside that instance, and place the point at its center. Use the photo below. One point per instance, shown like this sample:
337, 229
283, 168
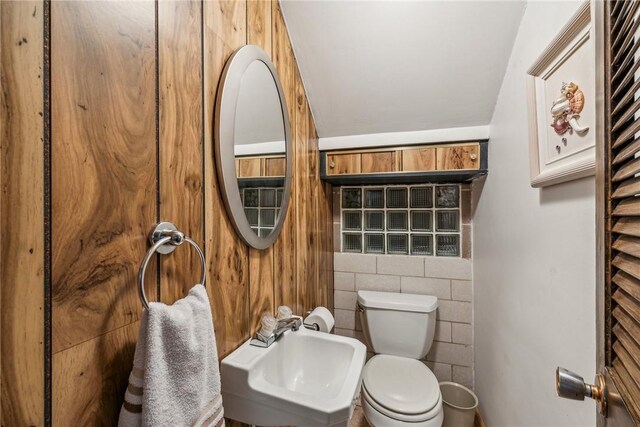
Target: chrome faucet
260, 340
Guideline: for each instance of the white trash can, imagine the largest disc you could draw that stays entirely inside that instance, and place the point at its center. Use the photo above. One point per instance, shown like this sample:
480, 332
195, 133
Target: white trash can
459, 404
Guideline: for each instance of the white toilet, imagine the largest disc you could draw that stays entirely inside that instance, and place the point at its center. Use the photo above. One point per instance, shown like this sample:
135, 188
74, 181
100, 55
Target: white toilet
397, 388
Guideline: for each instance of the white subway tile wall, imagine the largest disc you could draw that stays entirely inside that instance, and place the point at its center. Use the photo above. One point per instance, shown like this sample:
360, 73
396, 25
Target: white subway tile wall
377, 282
354, 263
440, 288
451, 355
449, 279
344, 281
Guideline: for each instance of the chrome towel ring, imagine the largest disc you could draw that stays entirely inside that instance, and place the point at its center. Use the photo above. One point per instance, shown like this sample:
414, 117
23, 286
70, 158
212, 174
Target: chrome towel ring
164, 239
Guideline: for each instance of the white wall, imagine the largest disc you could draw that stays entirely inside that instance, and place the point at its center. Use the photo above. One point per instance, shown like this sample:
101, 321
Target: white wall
534, 262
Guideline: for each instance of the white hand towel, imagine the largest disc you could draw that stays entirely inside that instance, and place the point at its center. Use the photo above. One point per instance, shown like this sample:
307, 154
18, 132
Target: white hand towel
175, 380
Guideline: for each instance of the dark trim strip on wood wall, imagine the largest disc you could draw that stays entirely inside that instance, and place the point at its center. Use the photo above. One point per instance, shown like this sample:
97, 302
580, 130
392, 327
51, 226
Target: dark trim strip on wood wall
47, 209
157, 100
204, 132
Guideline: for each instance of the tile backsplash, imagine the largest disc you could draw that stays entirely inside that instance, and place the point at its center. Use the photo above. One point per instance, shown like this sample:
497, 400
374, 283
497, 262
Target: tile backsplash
447, 278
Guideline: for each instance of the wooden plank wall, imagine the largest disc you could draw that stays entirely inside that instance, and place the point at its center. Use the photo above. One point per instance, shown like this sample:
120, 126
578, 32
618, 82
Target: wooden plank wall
21, 213
132, 88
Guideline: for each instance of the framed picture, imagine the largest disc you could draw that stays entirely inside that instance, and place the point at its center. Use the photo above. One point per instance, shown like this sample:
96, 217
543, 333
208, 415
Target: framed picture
561, 102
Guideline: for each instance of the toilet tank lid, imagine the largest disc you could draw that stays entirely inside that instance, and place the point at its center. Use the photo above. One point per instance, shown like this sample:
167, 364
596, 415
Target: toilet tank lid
397, 301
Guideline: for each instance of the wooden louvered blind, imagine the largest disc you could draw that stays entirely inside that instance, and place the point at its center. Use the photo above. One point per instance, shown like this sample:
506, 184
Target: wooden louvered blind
622, 151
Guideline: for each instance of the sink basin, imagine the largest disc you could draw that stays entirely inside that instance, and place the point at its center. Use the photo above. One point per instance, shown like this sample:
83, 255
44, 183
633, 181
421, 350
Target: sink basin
306, 378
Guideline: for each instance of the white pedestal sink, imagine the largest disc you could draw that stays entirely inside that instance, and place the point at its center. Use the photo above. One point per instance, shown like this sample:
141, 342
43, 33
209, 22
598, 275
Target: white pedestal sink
306, 378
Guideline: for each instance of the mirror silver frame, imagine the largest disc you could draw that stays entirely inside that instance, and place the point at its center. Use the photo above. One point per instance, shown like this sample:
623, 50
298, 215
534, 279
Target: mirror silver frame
225, 118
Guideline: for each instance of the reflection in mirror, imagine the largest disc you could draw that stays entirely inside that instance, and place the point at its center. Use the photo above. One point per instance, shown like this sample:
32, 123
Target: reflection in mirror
259, 147
253, 146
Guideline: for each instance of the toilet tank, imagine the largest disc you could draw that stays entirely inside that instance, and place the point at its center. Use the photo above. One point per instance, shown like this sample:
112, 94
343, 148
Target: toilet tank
398, 324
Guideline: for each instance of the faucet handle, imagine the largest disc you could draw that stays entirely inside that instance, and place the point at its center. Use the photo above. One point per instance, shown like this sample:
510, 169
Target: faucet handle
284, 312
269, 324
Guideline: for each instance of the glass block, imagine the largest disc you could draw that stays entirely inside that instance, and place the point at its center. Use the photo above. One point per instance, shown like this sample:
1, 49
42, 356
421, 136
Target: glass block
351, 220
447, 221
251, 198
448, 196
267, 198
421, 221
397, 220
264, 232
351, 198
421, 244
267, 217
352, 242
279, 193
397, 197
252, 216
374, 243
422, 197
397, 244
374, 221
448, 245
374, 198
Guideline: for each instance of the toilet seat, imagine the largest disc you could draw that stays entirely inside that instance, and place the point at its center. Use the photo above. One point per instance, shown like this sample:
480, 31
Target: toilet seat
437, 410
401, 388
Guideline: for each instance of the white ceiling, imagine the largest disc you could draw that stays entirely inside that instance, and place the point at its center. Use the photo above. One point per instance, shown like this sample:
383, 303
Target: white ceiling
373, 67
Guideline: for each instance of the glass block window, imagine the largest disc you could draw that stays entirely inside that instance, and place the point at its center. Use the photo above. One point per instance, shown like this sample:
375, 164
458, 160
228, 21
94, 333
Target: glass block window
262, 207
374, 198
397, 244
374, 220
401, 219
352, 242
352, 220
374, 243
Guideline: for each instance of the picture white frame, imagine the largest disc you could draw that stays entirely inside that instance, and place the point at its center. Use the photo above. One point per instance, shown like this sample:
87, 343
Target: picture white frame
570, 54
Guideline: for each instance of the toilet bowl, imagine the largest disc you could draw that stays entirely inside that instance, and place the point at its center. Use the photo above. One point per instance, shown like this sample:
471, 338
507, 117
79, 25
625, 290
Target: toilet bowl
397, 388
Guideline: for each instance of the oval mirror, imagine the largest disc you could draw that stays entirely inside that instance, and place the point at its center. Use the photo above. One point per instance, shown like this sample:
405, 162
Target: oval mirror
253, 146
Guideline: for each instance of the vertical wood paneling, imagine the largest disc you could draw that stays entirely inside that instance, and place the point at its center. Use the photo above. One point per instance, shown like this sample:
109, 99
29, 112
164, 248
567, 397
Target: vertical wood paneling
261, 284
304, 198
21, 213
228, 19
181, 137
227, 255
90, 379
103, 157
316, 219
311, 215
285, 281
259, 23
103, 146
326, 269
110, 167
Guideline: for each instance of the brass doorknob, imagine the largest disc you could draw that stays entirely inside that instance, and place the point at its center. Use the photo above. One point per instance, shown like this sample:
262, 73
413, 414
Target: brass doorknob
570, 385
473, 156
